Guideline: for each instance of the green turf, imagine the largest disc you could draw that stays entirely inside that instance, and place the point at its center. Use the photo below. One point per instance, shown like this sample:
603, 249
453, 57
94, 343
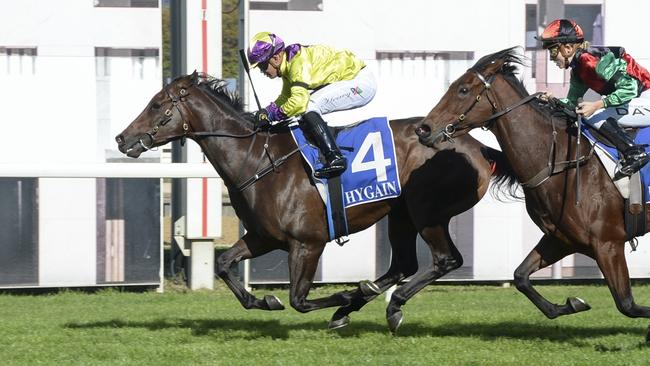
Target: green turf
443, 325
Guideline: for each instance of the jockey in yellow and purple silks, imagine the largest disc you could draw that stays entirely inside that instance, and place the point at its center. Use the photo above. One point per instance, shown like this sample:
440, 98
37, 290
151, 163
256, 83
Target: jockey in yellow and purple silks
316, 80
611, 72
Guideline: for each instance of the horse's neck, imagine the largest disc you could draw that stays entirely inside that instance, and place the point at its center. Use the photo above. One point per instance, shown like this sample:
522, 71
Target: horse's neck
226, 154
527, 136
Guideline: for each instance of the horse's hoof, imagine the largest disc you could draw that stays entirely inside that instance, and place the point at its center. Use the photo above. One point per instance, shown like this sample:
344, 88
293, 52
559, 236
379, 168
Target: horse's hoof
338, 323
577, 304
394, 321
368, 288
273, 302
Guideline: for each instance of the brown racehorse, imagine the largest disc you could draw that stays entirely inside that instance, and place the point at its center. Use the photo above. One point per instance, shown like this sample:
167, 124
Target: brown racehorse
535, 141
283, 210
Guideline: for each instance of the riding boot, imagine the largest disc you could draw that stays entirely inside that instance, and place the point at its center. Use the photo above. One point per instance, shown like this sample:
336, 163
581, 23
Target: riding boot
335, 162
634, 156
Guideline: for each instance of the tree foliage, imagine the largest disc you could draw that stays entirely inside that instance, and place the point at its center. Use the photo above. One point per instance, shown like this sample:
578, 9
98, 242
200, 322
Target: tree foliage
230, 33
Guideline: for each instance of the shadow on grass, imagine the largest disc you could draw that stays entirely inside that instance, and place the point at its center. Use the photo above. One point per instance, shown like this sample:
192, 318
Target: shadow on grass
252, 329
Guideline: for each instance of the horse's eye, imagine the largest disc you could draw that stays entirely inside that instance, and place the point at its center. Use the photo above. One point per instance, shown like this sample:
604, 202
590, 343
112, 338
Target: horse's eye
155, 105
463, 91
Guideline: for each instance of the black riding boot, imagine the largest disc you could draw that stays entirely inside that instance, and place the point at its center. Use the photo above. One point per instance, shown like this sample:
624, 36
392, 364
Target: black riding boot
335, 162
634, 156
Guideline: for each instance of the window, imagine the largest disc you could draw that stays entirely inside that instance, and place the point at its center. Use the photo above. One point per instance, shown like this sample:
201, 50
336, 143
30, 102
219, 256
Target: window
304, 5
531, 26
18, 60
108, 61
126, 3
590, 20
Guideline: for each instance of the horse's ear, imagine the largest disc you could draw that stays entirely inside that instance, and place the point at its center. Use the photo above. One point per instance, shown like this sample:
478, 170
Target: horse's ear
194, 77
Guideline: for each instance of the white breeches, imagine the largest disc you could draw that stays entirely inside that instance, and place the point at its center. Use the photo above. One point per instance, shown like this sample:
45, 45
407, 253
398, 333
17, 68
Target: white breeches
343, 95
636, 113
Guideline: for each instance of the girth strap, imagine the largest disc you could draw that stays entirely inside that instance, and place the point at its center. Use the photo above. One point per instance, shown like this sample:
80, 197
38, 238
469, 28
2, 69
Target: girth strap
554, 168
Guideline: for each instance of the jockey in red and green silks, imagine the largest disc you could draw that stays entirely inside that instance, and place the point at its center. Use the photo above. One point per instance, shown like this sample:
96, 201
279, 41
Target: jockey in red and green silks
316, 80
623, 84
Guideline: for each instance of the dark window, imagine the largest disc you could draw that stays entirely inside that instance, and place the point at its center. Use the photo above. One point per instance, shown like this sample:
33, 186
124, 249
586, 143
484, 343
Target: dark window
126, 3
128, 230
424, 55
297, 5
531, 26
589, 19
20, 51
19, 234
126, 52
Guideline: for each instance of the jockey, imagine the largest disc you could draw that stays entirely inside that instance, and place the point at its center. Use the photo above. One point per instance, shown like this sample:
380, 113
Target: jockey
315, 80
623, 84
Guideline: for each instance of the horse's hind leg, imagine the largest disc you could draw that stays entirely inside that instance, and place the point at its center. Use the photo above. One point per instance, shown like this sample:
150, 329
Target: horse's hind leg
249, 246
446, 258
402, 235
612, 263
303, 261
548, 251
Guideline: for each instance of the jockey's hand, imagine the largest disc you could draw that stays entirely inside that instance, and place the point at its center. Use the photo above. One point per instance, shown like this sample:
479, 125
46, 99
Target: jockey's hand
547, 96
586, 109
262, 118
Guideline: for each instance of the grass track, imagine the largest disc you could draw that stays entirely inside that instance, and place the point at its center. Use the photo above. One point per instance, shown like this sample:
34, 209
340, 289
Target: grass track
443, 325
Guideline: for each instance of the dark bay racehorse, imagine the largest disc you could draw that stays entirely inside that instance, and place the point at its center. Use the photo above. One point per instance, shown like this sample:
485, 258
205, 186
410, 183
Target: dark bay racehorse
283, 209
535, 141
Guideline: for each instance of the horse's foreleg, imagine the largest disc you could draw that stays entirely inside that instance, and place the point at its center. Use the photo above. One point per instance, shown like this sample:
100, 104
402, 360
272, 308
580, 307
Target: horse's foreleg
612, 263
548, 251
446, 258
303, 261
249, 246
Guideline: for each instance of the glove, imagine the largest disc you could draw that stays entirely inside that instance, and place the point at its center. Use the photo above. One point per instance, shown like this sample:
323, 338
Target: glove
262, 118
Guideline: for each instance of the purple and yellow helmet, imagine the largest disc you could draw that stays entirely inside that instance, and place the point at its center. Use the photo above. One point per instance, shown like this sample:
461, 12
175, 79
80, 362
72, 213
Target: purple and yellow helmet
262, 47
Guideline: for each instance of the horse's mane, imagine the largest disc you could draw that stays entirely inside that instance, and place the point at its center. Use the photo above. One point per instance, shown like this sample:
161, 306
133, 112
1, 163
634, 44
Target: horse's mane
218, 90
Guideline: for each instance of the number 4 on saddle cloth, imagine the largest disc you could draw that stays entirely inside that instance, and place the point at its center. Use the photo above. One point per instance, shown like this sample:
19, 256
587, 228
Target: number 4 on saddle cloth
635, 189
371, 174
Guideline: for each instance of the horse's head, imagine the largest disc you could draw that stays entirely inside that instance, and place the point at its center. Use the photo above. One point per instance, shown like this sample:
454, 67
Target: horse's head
161, 121
469, 101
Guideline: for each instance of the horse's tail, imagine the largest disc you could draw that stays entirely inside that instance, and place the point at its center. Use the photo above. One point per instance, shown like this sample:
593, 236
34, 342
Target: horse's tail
504, 180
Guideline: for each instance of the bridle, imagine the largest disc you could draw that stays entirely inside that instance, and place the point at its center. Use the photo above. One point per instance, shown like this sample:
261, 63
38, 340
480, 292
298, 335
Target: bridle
552, 167
450, 129
166, 117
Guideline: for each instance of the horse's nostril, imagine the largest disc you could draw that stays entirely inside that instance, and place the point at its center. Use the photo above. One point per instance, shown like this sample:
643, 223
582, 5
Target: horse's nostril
423, 131
119, 139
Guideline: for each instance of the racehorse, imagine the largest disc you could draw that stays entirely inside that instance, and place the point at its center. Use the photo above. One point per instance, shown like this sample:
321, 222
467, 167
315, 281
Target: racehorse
578, 209
283, 210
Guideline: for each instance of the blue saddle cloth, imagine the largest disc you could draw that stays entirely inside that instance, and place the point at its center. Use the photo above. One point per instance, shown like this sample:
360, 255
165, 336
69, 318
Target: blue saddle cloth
642, 137
372, 173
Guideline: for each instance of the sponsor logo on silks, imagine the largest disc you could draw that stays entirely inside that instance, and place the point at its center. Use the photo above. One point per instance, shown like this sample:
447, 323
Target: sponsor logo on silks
356, 90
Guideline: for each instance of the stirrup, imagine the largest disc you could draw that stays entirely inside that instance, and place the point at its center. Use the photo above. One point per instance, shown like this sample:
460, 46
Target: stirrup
332, 168
633, 164
329, 171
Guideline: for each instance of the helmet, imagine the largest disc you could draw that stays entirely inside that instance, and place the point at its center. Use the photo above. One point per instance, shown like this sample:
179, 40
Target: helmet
561, 31
262, 47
